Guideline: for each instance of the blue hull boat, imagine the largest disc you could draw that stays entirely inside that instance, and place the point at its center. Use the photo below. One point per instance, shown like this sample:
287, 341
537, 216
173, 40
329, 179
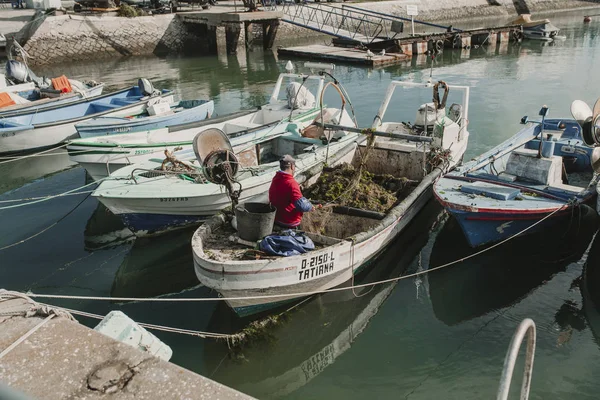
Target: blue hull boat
182, 112
518, 188
51, 126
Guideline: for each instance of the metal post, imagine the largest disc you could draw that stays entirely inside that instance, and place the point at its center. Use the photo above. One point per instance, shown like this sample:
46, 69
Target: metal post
412, 24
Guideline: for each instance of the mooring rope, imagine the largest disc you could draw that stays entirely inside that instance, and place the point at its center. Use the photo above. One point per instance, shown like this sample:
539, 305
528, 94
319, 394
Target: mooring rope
46, 228
46, 198
30, 309
153, 326
12, 159
301, 294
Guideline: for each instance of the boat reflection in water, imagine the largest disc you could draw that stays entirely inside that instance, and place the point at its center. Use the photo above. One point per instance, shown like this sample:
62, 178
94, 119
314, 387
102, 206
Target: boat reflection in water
105, 229
502, 275
316, 332
156, 266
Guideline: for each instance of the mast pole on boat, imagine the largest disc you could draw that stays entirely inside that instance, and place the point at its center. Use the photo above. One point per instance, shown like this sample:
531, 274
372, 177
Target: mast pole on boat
543, 113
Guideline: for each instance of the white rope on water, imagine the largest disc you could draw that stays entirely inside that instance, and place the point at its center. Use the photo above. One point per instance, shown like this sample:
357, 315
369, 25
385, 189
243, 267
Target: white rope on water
13, 159
46, 198
153, 326
301, 294
8, 246
43, 154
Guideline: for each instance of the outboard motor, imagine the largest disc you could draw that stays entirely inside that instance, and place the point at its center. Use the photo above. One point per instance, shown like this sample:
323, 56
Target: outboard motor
427, 116
146, 87
17, 72
455, 112
299, 96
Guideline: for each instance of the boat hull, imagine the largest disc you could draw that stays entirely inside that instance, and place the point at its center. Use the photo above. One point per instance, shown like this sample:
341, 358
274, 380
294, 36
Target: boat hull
98, 127
34, 138
145, 210
481, 228
305, 273
47, 103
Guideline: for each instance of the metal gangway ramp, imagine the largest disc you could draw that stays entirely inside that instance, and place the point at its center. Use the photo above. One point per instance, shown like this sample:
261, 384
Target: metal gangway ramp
342, 22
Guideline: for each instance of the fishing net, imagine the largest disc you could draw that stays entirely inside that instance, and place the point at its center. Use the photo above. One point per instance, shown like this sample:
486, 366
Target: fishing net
341, 186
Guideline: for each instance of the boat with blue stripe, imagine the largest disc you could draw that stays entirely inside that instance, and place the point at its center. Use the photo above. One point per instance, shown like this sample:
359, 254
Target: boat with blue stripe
161, 115
45, 128
533, 180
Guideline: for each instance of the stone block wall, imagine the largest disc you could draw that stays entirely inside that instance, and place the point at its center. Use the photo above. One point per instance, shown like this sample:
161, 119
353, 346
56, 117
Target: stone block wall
75, 37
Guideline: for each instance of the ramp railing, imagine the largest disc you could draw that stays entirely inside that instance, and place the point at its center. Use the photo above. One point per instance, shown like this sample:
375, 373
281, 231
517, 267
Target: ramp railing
341, 22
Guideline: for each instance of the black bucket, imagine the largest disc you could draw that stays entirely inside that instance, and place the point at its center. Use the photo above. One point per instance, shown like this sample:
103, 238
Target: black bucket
254, 220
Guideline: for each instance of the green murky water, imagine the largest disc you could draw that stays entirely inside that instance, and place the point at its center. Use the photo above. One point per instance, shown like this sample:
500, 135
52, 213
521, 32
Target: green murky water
442, 336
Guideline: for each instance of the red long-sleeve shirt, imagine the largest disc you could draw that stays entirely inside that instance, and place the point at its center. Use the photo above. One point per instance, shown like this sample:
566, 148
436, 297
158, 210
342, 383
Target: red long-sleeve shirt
287, 198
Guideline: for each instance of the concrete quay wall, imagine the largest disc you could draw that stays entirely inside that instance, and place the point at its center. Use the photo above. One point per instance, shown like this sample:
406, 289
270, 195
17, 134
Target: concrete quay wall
66, 360
73, 37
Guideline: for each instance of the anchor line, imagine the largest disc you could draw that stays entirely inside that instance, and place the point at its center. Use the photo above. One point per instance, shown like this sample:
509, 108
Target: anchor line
46, 228
301, 294
12, 159
46, 198
47, 153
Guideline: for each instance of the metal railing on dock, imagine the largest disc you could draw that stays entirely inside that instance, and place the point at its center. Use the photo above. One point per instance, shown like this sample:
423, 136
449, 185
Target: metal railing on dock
344, 23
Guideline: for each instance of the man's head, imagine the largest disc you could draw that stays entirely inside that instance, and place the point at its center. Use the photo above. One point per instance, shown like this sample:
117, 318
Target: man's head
287, 163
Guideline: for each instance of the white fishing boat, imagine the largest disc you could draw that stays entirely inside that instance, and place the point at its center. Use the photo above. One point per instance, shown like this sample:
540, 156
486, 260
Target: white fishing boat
346, 240
150, 200
101, 156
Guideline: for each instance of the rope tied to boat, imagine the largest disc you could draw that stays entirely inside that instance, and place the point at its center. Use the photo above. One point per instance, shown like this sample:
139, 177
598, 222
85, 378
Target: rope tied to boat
172, 164
436, 95
303, 294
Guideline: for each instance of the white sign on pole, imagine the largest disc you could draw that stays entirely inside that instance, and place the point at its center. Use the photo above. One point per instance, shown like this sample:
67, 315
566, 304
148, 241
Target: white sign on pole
411, 9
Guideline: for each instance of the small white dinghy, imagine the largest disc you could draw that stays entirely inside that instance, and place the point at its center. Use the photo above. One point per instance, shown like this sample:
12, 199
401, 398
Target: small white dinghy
346, 240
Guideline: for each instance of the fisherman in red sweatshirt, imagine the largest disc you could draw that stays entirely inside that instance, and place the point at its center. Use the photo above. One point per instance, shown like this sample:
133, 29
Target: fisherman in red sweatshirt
286, 196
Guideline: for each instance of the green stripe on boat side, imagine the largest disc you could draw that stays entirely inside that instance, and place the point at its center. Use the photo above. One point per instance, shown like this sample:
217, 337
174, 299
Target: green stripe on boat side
300, 118
75, 152
127, 146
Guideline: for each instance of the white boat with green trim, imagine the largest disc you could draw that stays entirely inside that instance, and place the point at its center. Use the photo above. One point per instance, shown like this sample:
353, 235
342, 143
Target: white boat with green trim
150, 199
103, 155
410, 156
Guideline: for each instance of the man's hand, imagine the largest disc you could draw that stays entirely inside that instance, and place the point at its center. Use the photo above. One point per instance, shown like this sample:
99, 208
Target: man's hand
318, 206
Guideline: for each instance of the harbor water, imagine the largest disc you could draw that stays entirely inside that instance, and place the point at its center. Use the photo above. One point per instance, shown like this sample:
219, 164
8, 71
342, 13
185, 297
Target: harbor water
440, 335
